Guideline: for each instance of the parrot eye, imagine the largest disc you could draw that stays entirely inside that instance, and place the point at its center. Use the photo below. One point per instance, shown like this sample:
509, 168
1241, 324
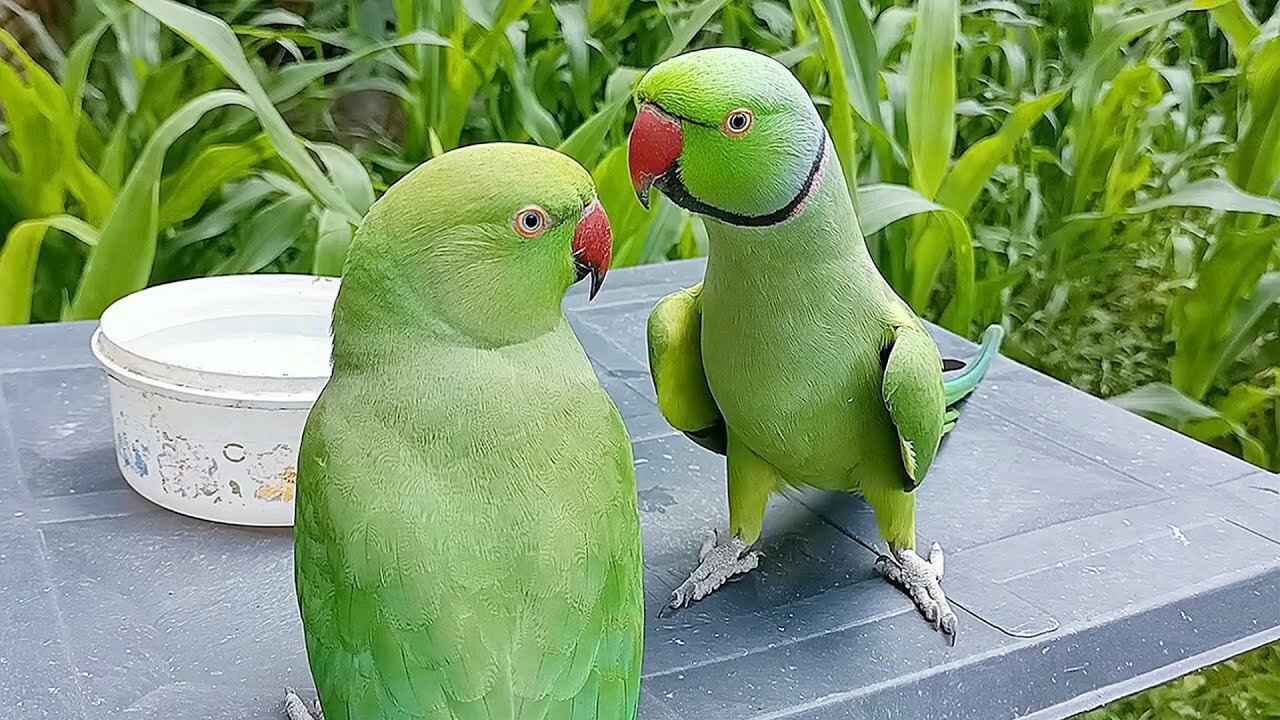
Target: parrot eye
530, 221
737, 123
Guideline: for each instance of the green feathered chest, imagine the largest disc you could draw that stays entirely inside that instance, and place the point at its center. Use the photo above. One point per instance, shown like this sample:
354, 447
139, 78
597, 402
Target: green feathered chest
467, 537
794, 365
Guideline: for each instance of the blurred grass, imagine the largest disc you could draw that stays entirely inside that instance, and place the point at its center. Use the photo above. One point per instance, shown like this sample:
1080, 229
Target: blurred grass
1246, 687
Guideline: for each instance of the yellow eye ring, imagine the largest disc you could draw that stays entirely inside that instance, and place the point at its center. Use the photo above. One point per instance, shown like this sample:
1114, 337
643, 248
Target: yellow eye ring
737, 122
530, 221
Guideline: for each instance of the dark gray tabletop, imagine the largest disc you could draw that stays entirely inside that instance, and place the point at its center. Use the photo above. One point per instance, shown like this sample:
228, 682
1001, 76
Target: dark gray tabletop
1090, 554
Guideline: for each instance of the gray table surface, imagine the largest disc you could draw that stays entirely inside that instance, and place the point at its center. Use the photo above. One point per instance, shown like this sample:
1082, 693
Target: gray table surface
1091, 554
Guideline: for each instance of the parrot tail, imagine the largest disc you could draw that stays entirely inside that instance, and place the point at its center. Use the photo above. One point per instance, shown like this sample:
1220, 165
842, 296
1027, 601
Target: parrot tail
959, 387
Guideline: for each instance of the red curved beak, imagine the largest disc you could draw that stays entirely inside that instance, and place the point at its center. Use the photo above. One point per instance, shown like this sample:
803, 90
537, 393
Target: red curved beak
592, 246
653, 147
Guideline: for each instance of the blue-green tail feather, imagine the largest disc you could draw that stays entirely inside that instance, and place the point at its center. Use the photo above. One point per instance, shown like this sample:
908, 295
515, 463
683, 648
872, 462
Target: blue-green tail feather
959, 387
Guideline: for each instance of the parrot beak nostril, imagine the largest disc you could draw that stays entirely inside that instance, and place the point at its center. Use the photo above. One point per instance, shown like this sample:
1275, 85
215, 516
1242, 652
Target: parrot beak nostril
592, 247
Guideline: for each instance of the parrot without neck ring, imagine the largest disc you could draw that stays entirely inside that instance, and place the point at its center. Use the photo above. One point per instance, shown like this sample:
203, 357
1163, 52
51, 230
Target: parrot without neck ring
793, 357
467, 542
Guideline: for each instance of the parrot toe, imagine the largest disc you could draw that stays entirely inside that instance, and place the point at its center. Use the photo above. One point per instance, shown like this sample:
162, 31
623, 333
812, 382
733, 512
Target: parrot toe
719, 560
296, 709
921, 579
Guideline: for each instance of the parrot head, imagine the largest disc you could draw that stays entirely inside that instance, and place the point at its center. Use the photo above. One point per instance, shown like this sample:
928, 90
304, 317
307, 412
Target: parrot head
487, 237
727, 133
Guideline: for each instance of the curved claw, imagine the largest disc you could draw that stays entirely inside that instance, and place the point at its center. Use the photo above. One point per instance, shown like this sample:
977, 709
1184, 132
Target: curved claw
677, 602
295, 708
721, 559
921, 579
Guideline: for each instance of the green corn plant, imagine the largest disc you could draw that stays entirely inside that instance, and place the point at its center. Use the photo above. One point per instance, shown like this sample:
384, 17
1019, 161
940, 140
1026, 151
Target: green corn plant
128, 211
50, 171
848, 50
1214, 318
120, 262
215, 39
940, 194
1096, 176
1236, 18
1125, 200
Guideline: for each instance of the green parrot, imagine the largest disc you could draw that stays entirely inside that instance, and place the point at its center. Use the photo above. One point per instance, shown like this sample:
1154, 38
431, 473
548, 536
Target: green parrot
793, 357
467, 540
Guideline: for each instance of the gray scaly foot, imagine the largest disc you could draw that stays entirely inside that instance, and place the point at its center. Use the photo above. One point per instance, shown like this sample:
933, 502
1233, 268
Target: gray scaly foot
719, 559
922, 581
296, 709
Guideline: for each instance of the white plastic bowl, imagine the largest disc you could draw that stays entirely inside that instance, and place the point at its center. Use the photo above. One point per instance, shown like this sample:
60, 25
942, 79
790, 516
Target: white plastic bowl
211, 381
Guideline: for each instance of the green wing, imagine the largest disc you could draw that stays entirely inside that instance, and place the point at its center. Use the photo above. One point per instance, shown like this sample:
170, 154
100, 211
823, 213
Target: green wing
675, 363
428, 604
913, 393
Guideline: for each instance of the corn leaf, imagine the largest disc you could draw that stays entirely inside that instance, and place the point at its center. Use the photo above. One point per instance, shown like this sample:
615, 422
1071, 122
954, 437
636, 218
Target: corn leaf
891, 27
600, 12
533, 116
41, 135
1103, 159
112, 166
573, 28
348, 174
268, 234
182, 196
1211, 194
798, 53
931, 94
333, 240
664, 233
684, 32
1102, 52
18, 258
627, 217
1246, 320
44, 138
853, 43
1166, 404
1237, 22
584, 143
1158, 400
293, 78
840, 120
75, 72
121, 262
214, 39
1202, 316
137, 48
238, 201
1256, 166
962, 185
883, 204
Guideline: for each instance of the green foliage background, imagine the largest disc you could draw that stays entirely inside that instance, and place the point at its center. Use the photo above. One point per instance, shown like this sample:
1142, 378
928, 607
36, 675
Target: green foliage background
1101, 177
1246, 687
